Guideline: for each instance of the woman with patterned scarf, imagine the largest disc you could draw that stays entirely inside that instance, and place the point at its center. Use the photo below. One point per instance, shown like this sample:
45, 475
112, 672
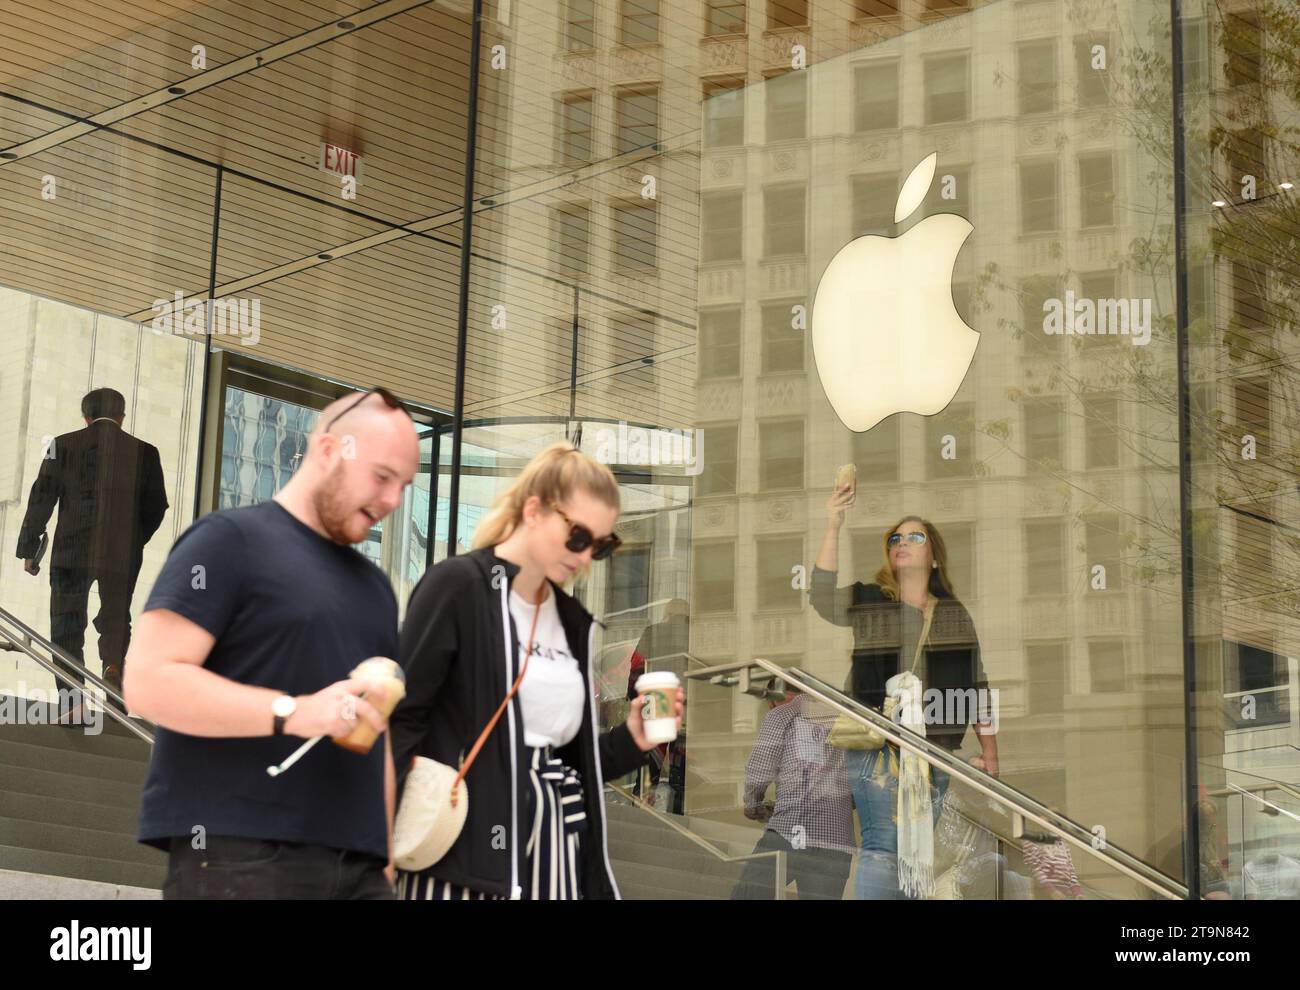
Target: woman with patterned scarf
914, 642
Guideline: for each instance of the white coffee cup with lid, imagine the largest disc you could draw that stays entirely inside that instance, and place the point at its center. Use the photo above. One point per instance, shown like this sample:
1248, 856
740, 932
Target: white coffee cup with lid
659, 716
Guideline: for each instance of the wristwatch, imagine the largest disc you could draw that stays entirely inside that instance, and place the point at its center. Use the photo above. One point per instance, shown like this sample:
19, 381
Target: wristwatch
282, 708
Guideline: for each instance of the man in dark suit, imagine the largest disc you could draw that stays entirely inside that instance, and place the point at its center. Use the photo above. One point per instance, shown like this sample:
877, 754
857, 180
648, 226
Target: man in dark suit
109, 489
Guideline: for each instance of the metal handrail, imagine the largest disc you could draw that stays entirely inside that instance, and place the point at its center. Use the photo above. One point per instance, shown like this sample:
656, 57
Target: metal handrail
23, 643
1022, 807
704, 843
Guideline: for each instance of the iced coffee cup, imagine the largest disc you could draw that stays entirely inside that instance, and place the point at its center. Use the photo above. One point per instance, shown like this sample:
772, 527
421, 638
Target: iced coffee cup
389, 674
659, 715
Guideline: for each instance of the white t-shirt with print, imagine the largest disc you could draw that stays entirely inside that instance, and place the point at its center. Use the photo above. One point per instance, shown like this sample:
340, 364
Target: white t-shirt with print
551, 693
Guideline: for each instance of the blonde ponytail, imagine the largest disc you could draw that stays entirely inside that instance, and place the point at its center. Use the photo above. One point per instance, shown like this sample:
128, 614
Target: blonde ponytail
553, 475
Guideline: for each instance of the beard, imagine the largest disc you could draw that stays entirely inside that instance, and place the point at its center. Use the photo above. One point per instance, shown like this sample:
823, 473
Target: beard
333, 511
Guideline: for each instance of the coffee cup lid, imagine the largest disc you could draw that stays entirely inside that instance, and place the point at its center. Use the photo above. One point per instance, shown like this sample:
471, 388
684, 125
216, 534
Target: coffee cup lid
657, 679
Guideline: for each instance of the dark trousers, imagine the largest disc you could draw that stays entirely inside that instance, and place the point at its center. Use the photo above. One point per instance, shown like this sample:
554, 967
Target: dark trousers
819, 874
69, 597
231, 869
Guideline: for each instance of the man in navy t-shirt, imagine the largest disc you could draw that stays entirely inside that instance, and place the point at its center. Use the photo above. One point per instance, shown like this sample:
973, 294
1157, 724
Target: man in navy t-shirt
245, 648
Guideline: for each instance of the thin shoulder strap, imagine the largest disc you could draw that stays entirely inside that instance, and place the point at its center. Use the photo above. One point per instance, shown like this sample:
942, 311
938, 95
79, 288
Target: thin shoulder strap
930, 604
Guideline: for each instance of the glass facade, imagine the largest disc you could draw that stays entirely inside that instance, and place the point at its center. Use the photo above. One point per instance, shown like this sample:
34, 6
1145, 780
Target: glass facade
1024, 264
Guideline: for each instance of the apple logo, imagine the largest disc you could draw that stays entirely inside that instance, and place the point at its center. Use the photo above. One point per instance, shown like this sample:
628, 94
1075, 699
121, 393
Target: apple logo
886, 335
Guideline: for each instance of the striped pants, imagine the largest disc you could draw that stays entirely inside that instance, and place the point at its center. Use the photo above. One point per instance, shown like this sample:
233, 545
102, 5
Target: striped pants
552, 868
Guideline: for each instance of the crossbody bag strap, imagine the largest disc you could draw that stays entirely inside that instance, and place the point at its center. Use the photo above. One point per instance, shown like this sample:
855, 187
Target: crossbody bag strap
925, 631
478, 745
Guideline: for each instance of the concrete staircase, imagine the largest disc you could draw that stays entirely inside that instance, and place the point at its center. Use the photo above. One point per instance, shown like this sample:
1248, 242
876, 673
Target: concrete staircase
68, 807
652, 861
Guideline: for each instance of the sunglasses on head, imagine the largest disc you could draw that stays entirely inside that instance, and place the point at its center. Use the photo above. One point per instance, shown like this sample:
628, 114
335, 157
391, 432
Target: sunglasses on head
916, 539
580, 538
390, 400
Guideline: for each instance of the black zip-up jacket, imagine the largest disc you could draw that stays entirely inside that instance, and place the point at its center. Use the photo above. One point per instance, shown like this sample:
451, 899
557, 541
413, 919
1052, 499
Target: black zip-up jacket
460, 652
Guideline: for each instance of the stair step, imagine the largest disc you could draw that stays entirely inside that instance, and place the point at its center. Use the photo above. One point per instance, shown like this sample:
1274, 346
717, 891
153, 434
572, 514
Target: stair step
85, 764
74, 739
75, 841
15, 886
61, 811
68, 786
673, 884
84, 867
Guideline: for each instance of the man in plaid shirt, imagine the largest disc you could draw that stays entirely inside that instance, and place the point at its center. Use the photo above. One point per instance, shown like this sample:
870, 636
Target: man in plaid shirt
812, 819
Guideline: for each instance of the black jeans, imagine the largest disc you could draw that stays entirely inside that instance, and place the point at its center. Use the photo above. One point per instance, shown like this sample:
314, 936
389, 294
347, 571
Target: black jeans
231, 869
819, 874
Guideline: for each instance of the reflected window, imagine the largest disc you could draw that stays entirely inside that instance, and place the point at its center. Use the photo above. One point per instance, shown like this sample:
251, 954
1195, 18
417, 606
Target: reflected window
1045, 673
715, 577
1196, 55
950, 442
1243, 43
1036, 66
1045, 557
1044, 435
1098, 286
786, 99
1249, 288
783, 345
944, 8
876, 452
873, 205
720, 344
627, 579
1038, 193
1206, 415
1246, 151
636, 235
1104, 545
634, 333
1106, 665
777, 558
780, 455
1253, 399
1256, 686
959, 539
1097, 190
637, 119
876, 10
1254, 550
724, 17
575, 129
786, 13
721, 226
1092, 90
947, 89
639, 22
783, 221
579, 25
724, 113
1034, 294
559, 351
571, 224
1101, 431
718, 473
875, 96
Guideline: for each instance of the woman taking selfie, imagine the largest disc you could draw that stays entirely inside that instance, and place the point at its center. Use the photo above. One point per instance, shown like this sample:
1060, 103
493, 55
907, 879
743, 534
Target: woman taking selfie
535, 826
913, 642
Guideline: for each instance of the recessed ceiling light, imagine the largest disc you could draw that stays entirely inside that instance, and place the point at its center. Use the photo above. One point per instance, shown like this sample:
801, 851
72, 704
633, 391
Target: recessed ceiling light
647, 360
1286, 185
9, 155
177, 90
325, 257
346, 25
1219, 202
487, 201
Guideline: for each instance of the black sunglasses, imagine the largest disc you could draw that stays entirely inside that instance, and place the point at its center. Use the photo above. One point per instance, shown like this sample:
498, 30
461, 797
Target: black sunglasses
390, 400
580, 537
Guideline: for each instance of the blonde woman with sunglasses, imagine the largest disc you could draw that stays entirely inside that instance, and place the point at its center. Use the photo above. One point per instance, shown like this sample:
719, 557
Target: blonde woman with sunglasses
536, 822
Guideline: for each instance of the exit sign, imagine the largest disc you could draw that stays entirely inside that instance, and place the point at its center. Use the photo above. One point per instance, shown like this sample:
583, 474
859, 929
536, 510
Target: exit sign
338, 160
